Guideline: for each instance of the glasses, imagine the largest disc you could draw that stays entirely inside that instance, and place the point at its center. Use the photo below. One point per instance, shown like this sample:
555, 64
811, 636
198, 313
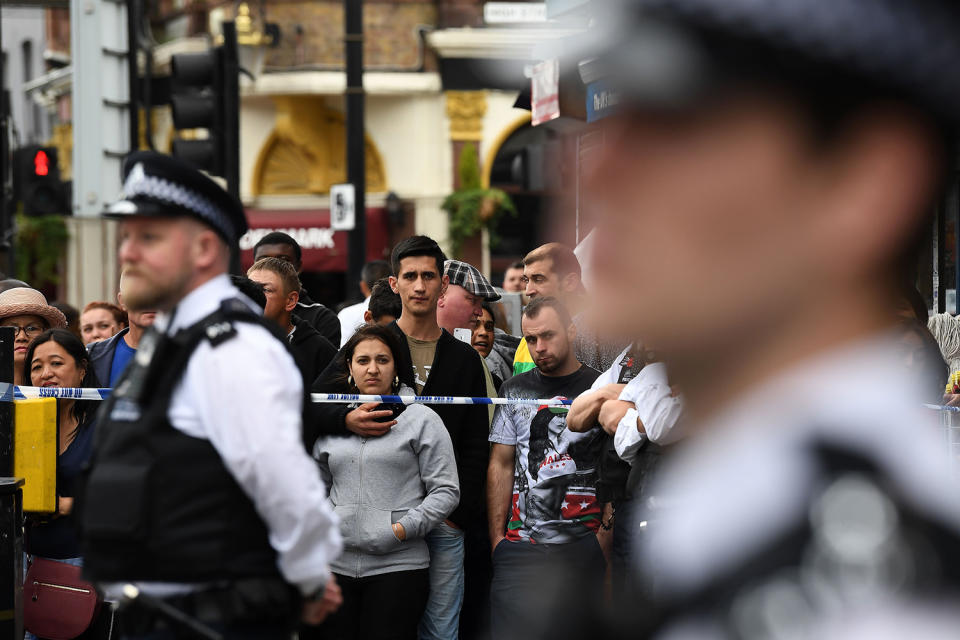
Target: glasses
31, 330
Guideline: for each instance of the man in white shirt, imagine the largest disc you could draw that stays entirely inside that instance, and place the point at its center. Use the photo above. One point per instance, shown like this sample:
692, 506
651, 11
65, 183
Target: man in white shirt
634, 404
352, 317
200, 488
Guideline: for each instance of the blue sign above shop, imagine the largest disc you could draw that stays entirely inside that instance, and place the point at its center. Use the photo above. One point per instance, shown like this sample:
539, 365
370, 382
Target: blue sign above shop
602, 101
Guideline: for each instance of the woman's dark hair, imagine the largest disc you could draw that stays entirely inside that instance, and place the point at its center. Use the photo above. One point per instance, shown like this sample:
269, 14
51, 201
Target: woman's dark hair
367, 332
83, 410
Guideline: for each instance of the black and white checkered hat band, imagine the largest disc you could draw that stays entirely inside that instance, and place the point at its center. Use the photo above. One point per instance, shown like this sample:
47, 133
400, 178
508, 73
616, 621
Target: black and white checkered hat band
140, 185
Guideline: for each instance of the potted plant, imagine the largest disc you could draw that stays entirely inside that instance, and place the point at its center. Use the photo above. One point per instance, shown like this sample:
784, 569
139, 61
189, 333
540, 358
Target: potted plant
473, 208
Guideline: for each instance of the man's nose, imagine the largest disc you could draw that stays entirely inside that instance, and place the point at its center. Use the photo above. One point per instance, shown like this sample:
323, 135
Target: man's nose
127, 251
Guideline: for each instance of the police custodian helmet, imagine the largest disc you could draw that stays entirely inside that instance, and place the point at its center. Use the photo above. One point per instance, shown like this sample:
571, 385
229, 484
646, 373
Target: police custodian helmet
671, 51
162, 186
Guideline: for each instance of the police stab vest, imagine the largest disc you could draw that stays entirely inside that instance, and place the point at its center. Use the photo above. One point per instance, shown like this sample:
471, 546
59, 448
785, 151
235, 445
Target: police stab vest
160, 505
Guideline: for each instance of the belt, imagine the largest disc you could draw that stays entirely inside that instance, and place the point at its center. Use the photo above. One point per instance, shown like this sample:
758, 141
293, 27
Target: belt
264, 601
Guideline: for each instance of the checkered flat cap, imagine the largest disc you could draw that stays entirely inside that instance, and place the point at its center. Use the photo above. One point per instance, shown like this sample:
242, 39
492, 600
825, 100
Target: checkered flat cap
470, 278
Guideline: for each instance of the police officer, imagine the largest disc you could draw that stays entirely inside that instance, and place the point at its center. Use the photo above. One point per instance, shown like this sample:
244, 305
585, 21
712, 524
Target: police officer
200, 490
765, 183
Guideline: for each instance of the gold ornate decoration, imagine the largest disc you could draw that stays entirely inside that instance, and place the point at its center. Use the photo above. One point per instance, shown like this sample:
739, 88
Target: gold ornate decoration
306, 151
466, 110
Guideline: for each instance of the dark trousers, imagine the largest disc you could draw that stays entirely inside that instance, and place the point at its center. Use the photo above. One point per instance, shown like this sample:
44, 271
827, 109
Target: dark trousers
475, 614
621, 556
534, 584
383, 607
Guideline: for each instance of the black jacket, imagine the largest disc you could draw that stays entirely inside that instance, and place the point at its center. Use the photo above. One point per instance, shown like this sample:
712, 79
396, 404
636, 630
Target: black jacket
311, 351
320, 317
101, 356
457, 371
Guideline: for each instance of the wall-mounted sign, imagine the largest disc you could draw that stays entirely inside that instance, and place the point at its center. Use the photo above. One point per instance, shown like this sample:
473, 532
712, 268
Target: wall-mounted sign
602, 101
545, 92
514, 12
342, 216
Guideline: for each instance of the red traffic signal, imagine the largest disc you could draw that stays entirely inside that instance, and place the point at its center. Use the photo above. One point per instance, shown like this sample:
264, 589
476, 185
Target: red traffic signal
41, 163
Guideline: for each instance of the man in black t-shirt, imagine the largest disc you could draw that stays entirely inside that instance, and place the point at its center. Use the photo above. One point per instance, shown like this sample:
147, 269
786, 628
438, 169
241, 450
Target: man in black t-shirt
541, 482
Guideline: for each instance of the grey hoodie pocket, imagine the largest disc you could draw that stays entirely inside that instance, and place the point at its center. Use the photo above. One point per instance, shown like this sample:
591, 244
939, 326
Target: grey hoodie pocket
348, 524
376, 531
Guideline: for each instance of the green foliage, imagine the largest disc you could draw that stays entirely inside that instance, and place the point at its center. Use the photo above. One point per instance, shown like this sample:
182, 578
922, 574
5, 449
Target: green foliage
471, 207
40, 245
469, 168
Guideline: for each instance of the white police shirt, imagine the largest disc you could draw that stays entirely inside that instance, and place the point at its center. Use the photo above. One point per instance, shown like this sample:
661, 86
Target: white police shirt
245, 396
733, 496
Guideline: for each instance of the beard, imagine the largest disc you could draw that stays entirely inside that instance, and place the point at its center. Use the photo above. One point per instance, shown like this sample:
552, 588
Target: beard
549, 364
144, 292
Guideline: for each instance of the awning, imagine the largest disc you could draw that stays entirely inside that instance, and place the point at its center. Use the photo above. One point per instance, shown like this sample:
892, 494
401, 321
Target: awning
323, 248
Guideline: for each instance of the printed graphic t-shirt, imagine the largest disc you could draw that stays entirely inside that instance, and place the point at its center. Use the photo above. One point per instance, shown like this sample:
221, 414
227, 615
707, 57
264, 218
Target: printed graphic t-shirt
422, 353
554, 483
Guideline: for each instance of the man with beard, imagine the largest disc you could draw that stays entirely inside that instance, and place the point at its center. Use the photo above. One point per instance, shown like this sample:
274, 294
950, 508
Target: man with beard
190, 495
541, 483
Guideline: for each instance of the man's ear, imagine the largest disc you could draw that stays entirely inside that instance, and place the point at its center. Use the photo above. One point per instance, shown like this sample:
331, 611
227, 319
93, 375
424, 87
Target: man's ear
393, 284
445, 280
572, 333
885, 171
367, 316
570, 283
292, 298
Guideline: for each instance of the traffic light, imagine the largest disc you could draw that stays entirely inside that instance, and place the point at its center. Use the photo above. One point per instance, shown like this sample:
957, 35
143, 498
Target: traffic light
37, 181
204, 94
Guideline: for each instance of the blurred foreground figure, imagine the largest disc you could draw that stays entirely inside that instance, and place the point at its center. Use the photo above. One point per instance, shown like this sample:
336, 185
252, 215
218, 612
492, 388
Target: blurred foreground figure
766, 182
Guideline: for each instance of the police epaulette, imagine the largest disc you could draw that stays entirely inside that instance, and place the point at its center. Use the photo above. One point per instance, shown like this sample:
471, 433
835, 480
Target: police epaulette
219, 332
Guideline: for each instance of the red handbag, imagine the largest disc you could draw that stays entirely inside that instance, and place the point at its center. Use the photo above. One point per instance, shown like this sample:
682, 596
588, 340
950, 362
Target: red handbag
57, 603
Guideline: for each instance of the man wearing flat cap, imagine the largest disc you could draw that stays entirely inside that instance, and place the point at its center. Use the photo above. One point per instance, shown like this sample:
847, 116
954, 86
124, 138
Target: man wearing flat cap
200, 490
461, 303
767, 178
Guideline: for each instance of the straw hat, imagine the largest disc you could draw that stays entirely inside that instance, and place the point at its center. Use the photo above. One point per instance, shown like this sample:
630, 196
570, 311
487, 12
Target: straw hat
22, 301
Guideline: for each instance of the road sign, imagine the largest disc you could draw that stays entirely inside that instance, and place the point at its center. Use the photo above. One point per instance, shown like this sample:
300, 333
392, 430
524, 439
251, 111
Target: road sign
342, 214
514, 12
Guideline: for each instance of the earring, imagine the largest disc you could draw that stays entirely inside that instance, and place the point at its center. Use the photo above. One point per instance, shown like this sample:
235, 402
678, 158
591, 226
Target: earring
396, 383
350, 380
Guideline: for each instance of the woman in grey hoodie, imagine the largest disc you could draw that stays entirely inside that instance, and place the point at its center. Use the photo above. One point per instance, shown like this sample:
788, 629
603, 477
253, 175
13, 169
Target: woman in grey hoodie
388, 491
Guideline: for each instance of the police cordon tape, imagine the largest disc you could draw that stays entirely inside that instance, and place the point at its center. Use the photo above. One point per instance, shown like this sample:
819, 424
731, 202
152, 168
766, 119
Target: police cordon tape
10, 392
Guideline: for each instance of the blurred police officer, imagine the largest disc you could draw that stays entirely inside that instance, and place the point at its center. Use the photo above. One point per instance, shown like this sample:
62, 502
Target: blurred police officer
765, 184
201, 491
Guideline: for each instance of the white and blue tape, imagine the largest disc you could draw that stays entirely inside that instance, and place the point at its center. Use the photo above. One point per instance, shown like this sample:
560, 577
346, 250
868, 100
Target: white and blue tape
9, 392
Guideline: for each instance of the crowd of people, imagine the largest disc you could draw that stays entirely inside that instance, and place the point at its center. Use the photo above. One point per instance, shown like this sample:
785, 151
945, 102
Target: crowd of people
444, 510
